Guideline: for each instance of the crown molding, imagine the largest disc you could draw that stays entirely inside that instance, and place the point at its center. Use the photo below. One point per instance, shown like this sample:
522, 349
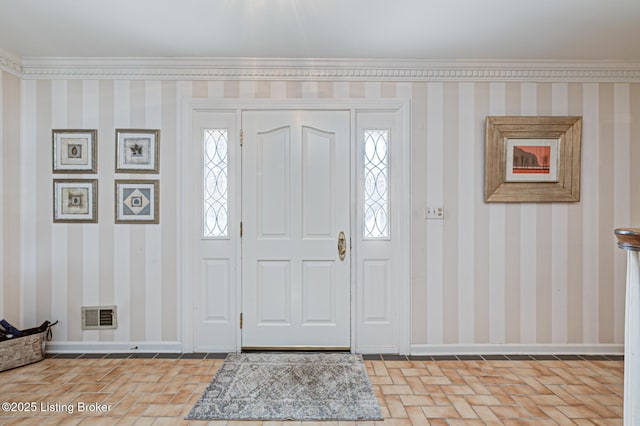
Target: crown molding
10, 63
322, 69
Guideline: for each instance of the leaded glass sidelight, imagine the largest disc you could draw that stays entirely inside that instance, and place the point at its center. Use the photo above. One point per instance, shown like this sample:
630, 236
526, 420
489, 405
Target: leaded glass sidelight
376, 184
216, 202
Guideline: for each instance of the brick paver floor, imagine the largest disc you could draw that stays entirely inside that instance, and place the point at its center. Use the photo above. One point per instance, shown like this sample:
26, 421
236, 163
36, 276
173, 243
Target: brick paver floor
411, 391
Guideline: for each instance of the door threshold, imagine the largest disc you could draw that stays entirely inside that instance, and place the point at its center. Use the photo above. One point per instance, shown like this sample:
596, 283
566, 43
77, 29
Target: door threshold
296, 349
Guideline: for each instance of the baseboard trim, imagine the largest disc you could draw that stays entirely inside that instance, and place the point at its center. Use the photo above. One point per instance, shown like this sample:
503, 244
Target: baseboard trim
366, 350
518, 349
417, 350
113, 347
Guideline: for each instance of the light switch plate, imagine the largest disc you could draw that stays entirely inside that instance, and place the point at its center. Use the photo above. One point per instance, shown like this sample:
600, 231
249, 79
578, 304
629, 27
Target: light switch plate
434, 213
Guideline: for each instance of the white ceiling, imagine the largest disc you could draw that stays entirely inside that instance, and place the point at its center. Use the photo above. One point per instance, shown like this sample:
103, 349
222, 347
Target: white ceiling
567, 30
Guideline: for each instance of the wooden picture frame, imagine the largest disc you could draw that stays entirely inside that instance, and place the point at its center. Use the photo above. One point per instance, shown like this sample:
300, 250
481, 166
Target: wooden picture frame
532, 159
137, 201
137, 151
75, 200
74, 151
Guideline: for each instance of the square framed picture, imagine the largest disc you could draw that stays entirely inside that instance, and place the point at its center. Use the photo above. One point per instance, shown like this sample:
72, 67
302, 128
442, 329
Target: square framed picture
75, 200
532, 159
75, 151
137, 201
137, 151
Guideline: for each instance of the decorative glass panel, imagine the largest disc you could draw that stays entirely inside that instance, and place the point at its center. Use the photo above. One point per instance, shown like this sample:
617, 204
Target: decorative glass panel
215, 223
376, 184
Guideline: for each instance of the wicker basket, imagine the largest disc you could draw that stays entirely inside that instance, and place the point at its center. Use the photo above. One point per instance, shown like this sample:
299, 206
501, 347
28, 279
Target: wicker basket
25, 349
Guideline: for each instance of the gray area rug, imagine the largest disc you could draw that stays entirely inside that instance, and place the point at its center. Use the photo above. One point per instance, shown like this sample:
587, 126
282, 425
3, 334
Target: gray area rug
289, 386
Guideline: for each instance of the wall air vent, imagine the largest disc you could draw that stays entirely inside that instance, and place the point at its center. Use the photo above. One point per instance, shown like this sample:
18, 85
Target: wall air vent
99, 317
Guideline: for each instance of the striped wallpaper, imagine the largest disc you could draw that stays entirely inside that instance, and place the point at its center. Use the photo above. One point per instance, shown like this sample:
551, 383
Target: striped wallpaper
11, 244
487, 274
521, 273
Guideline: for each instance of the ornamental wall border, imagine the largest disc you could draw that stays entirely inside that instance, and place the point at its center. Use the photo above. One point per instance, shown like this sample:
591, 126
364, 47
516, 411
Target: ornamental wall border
318, 70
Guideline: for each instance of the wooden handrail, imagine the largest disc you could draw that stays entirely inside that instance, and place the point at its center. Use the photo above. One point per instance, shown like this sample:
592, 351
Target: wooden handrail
628, 238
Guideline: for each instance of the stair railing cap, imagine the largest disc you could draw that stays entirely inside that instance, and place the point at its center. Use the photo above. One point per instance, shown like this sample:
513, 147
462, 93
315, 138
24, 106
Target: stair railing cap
628, 238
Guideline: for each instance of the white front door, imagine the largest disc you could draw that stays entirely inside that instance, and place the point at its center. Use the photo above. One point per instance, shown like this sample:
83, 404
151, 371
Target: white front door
296, 206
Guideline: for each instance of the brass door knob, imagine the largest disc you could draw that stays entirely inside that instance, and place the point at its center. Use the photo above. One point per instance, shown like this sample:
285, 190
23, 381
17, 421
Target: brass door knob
342, 245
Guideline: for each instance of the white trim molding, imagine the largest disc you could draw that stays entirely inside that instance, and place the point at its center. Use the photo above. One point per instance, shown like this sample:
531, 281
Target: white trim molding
518, 349
320, 69
191, 106
416, 350
113, 347
10, 63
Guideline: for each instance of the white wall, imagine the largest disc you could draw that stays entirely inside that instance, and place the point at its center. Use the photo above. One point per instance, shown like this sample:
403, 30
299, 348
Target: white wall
521, 273
486, 274
11, 207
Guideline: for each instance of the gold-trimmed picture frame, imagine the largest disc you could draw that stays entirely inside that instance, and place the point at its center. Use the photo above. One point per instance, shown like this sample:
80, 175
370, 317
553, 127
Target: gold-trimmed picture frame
137, 201
75, 200
532, 159
74, 151
137, 151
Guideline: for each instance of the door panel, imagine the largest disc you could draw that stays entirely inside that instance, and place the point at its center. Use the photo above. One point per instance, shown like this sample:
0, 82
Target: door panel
274, 185
318, 152
296, 290
318, 288
274, 289
215, 290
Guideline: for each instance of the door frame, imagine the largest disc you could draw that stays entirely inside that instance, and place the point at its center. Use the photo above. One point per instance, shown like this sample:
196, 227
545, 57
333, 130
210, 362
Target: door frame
190, 106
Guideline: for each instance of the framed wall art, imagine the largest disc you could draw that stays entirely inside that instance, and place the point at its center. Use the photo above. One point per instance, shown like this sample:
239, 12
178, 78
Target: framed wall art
533, 159
75, 151
75, 200
137, 201
137, 151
